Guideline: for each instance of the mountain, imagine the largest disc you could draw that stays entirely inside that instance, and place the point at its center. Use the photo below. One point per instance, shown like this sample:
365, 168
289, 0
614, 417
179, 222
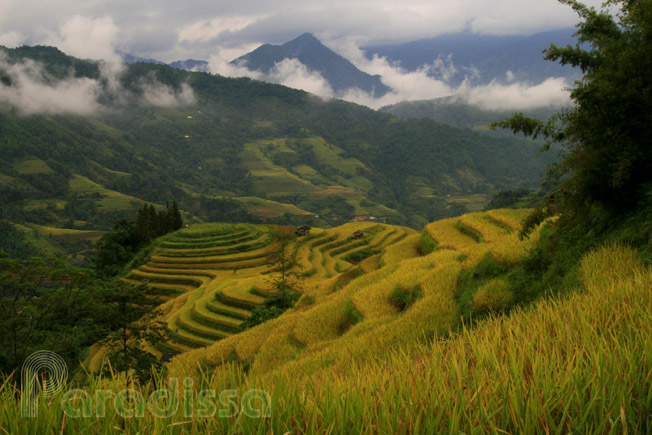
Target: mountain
191, 65
188, 64
456, 112
341, 74
481, 58
228, 150
130, 58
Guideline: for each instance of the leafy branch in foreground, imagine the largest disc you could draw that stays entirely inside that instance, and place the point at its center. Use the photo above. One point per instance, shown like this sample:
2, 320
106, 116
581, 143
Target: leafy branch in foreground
607, 132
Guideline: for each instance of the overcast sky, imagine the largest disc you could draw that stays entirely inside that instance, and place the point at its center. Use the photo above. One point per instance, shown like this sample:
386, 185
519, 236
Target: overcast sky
219, 31
172, 30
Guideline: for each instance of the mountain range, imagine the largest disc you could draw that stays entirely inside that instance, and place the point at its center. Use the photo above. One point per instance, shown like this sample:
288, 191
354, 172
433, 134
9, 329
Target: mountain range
452, 58
481, 59
230, 149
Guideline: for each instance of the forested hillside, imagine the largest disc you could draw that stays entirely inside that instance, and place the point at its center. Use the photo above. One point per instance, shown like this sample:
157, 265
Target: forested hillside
228, 150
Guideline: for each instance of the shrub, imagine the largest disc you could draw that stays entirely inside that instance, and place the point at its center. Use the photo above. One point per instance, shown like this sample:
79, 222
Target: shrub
358, 256
469, 232
351, 317
426, 244
532, 222
494, 296
403, 299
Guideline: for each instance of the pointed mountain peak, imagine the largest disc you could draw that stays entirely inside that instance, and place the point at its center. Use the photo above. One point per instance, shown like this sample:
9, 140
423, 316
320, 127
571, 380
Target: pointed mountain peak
340, 74
306, 37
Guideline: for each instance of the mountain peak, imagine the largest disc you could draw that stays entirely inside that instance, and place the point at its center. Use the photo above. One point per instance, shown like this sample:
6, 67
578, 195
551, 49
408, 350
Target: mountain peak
341, 74
306, 37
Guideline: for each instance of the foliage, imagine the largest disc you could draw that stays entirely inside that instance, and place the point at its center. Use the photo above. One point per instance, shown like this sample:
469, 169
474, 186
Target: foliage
119, 246
351, 317
606, 133
402, 299
426, 244
358, 256
507, 198
464, 229
46, 304
131, 316
494, 297
274, 305
533, 220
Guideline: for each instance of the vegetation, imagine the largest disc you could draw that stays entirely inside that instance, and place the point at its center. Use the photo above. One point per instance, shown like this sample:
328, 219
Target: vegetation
515, 321
402, 299
244, 151
607, 131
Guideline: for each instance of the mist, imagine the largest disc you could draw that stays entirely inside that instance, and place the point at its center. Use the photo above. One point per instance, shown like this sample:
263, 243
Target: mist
32, 91
505, 94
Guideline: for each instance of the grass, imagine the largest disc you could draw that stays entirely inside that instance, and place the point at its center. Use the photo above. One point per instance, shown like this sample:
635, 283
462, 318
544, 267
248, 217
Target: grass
110, 199
351, 362
32, 166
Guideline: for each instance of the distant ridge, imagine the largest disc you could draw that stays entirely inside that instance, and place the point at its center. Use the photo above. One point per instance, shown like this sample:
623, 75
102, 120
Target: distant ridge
191, 65
341, 74
481, 59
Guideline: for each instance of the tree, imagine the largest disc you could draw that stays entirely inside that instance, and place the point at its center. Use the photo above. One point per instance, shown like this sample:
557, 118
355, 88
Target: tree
286, 281
117, 247
131, 317
47, 304
177, 221
608, 131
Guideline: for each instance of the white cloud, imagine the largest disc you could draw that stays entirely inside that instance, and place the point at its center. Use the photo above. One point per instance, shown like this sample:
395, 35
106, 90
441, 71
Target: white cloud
159, 95
220, 63
30, 94
205, 30
552, 92
292, 73
32, 91
88, 38
12, 39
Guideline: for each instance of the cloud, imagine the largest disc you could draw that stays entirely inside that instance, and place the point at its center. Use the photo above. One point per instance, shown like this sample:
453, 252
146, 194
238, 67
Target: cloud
159, 95
207, 30
33, 91
12, 39
427, 82
88, 38
292, 73
169, 30
552, 92
31, 94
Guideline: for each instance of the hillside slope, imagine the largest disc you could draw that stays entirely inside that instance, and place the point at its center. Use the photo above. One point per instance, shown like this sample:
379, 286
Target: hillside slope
343, 304
232, 150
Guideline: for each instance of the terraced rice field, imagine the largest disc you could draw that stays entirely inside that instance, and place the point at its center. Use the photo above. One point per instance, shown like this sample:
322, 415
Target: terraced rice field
350, 305
213, 275
207, 273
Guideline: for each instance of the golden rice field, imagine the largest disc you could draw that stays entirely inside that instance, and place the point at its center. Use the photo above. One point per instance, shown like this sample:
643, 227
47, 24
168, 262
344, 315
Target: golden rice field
348, 359
212, 275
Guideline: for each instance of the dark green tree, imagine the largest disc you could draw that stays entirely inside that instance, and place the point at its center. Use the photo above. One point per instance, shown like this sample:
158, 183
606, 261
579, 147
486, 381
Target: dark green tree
117, 247
177, 221
46, 304
607, 133
131, 317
